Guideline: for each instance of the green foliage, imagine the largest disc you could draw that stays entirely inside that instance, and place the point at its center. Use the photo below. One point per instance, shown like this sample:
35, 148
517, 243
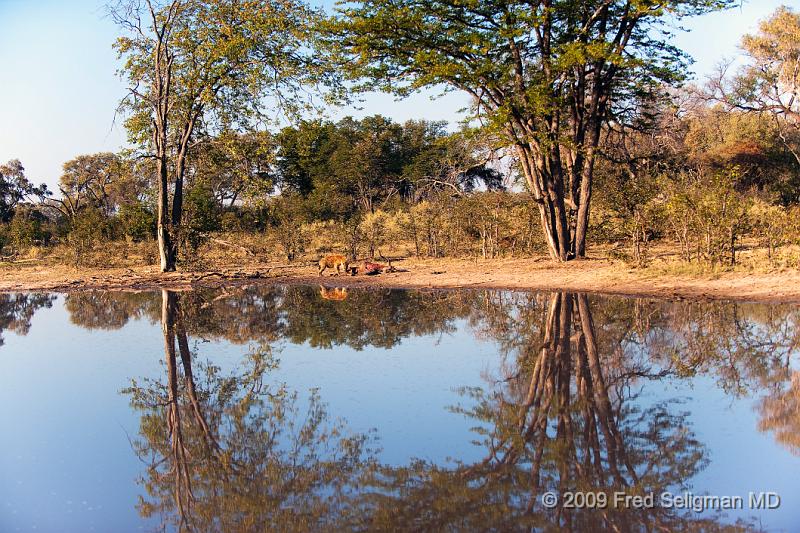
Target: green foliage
286, 214
103, 181
774, 226
630, 208
708, 215
201, 217
202, 211
137, 221
87, 230
234, 166
224, 57
544, 76
15, 188
29, 227
365, 165
374, 229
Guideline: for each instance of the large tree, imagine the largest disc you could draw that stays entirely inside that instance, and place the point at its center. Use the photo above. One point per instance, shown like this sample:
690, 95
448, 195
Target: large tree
544, 74
196, 67
15, 189
769, 81
235, 167
104, 181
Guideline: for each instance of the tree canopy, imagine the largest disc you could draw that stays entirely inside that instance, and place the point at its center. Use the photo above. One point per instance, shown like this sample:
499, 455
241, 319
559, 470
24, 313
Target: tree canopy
545, 75
200, 66
15, 188
769, 82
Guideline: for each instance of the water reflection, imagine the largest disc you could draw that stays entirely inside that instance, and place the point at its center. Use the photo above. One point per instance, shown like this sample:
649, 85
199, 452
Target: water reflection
559, 419
16, 311
380, 318
231, 454
230, 450
337, 294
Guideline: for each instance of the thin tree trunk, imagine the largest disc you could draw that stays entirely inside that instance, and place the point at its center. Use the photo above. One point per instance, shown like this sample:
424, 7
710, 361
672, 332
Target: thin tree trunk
166, 249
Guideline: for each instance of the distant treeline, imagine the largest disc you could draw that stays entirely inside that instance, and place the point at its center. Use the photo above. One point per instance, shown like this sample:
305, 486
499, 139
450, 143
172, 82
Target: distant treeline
703, 180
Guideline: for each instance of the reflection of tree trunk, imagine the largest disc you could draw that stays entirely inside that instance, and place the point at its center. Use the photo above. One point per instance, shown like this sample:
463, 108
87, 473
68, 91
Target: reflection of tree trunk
188, 376
565, 415
615, 445
183, 486
174, 329
561, 389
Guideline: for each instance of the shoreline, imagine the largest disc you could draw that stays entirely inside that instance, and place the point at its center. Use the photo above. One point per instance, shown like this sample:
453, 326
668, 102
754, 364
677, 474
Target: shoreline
598, 276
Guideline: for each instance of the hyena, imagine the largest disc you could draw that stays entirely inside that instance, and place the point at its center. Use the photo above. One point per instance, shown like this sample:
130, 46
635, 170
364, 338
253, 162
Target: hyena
335, 263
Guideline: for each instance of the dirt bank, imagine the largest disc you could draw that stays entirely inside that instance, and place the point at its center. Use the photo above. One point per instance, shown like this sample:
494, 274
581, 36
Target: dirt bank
591, 275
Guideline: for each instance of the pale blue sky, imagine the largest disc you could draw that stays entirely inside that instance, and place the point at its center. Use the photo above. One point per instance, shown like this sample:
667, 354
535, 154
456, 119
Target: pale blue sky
59, 87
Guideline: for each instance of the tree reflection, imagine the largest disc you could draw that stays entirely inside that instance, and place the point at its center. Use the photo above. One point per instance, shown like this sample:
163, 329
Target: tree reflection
561, 418
378, 317
780, 412
17, 310
748, 348
227, 452
110, 310
230, 453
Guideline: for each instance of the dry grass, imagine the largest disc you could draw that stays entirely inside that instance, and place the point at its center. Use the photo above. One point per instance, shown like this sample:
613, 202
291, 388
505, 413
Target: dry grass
243, 258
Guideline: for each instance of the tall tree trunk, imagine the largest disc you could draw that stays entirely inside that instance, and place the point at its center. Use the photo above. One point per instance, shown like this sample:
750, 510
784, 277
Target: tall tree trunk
166, 248
162, 93
582, 222
547, 189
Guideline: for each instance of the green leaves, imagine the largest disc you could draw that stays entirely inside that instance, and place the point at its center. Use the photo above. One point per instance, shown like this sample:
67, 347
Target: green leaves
225, 59
545, 75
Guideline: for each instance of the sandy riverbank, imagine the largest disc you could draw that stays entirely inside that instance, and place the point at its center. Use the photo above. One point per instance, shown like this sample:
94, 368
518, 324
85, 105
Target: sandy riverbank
591, 275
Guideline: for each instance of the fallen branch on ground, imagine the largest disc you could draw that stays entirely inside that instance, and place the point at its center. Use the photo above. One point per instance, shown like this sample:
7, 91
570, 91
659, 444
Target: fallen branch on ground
226, 243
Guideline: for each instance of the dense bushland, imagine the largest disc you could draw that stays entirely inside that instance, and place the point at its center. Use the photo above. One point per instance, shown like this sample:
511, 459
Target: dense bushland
699, 174
706, 185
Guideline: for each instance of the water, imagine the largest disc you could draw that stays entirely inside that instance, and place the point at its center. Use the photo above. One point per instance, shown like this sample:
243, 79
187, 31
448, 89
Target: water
298, 409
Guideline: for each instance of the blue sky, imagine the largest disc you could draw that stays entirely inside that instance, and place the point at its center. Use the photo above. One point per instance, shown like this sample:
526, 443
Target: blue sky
59, 86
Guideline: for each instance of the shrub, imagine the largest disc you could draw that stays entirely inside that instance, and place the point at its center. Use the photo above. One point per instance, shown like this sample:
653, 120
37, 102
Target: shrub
286, 217
87, 229
707, 215
137, 221
27, 228
373, 229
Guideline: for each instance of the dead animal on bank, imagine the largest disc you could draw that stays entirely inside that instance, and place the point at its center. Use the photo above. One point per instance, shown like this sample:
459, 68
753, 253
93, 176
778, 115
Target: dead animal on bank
372, 269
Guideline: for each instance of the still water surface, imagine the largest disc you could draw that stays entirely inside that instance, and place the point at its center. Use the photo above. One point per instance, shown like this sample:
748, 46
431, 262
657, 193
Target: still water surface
300, 408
